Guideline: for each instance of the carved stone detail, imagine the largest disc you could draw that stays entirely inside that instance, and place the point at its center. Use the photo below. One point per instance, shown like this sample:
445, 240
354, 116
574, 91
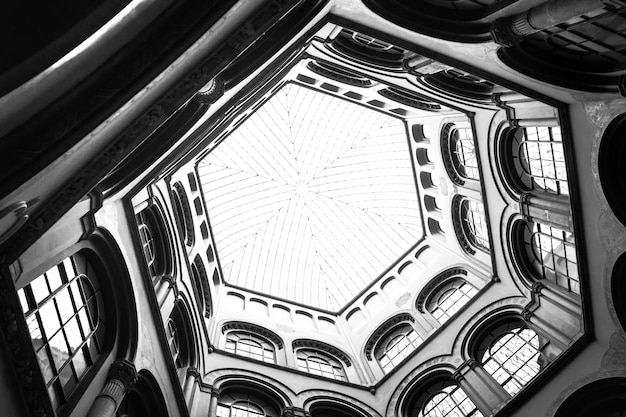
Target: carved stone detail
436, 282
615, 356
384, 328
253, 328
325, 347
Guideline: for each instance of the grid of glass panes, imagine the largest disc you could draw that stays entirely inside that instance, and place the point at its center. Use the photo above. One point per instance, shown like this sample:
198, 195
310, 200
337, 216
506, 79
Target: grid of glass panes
239, 409
148, 245
450, 298
245, 344
513, 358
542, 160
555, 253
67, 331
314, 363
397, 346
450, 401
171, 332
473, 214
464, 154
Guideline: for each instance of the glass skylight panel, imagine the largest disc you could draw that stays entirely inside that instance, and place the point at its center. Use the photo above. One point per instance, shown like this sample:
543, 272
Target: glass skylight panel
311, 198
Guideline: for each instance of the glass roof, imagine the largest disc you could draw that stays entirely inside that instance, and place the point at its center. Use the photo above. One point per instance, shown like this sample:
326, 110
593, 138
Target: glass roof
311, 198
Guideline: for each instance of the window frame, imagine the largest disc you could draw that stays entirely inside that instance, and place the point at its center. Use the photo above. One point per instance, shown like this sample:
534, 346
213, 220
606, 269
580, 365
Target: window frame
304, 354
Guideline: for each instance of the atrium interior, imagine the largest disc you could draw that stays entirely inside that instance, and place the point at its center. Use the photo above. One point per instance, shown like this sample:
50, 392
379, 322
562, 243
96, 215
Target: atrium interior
296, 208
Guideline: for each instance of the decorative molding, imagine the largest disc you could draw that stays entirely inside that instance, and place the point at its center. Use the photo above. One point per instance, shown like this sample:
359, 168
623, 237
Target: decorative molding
384, 328
339, 74
615, 356
204, 284
325, 347
457, 223
188, 224
124, 371
409, 98
95, 169
295, 412
212, 92
503, 31
432, 285
444, 136
253, 328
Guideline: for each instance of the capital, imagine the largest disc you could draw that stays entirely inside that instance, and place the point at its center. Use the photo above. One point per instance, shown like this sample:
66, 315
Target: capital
123, 371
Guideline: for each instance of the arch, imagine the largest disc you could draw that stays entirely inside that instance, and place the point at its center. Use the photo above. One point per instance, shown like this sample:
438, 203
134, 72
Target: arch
248, 399
509, 350
72, 310
534, 158
253, 328
584, 53
180, 338
250, 345
321, 346
201, 287
458, 153
611, 166
368, 50
384, 328
339, 73
618, 289
437, 394
546, 253
183, 213
145, 398
603, 398
459, 21
446, 294
470, 224
333, 407
320, 363
396, 345
155, 241
228, 378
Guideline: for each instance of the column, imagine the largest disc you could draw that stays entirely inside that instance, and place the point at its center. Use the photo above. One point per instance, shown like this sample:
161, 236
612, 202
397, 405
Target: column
510, 30
215, 396
122, 376
553, 316
295, 412
549, 209
188, 387
480, 387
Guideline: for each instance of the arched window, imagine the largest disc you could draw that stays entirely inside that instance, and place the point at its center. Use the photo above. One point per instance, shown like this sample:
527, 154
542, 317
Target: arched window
245, 404
173, 342
463, 153
511, 353
178, 333
470, 224
396, 345
64, 310
320, 363
251, 346
154, 241
438, 395
447, 401
538, 159
551, 253
183, 213
201, 287
459, 154
449, 298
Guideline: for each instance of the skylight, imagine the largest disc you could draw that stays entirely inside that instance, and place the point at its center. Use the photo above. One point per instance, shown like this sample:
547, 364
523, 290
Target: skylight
311, 198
